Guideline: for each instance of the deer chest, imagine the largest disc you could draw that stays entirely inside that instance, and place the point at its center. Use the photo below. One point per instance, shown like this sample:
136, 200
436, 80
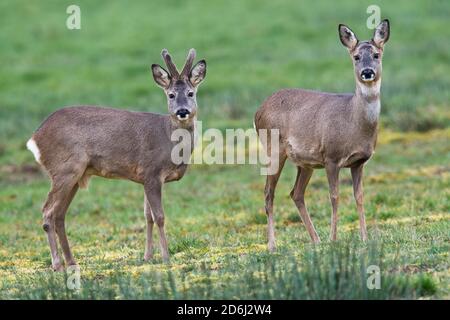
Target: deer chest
356, 158
174, 173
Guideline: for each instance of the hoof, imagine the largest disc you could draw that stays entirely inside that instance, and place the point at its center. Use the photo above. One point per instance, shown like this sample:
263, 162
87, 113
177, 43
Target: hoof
58, 268
72, 264
148, 258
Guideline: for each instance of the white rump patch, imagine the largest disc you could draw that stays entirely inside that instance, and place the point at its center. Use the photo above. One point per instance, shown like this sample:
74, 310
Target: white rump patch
32, 146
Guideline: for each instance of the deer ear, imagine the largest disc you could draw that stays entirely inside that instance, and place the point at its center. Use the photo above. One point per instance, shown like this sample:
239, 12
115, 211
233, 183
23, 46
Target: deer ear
198, 73
161, 76
381, 34
348, 38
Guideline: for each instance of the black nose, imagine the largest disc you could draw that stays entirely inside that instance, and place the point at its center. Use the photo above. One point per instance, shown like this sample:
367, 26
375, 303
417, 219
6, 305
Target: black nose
367, 74
182, 113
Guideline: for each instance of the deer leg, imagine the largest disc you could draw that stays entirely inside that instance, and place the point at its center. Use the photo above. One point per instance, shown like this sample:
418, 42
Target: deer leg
49, 228
61, 228
333, 182
357, 173
269, 191
153, 194
148, 255
56, 201
298, 195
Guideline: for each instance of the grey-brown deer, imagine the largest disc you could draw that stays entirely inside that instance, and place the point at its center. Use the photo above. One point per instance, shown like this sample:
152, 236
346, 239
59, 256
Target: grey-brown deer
327, 130
75, 143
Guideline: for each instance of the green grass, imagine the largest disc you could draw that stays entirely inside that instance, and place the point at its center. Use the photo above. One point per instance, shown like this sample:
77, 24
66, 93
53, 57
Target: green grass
215, 218
335, 271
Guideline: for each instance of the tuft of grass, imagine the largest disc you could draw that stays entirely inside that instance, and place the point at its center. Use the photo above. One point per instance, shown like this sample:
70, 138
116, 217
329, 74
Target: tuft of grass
424, 285
337, 271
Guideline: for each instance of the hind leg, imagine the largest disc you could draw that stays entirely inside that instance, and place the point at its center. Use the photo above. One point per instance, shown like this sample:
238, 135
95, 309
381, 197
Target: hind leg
298, 196
49, 227
269, 191
63, 189
61, 228
51, 207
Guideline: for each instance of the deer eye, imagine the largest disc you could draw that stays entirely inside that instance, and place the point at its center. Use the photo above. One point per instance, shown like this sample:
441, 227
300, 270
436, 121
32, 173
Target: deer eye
376, 55
357, 57
190, 94
171, 95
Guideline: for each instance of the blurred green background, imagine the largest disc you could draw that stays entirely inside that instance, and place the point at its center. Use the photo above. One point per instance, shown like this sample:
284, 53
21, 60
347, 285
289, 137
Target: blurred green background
252, 48
217, 229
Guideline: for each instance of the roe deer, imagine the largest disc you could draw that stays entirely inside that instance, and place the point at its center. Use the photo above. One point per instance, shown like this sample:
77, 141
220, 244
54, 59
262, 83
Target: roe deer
75, 143
327, 130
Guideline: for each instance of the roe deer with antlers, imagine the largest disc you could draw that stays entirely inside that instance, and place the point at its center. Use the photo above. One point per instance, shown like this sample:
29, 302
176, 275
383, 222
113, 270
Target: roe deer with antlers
75, 143
327, 130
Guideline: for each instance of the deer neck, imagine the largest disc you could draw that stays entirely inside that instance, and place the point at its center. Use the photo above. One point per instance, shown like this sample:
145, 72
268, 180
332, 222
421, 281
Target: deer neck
189, 126
367, 102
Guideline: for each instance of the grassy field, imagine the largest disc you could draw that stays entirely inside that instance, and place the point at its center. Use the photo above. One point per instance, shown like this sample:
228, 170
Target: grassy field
215, 218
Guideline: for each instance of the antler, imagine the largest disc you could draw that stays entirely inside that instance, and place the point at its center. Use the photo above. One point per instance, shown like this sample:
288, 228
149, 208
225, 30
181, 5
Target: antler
188, 64
170, 65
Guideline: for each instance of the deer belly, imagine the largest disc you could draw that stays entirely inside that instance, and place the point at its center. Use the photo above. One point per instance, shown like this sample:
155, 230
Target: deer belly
303, 156
110, 170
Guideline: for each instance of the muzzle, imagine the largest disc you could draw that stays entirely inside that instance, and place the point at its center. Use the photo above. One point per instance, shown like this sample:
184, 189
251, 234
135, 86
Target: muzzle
183, 114
367, 75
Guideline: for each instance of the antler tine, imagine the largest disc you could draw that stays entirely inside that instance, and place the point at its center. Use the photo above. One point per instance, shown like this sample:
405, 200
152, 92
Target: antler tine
170, 65
188, 64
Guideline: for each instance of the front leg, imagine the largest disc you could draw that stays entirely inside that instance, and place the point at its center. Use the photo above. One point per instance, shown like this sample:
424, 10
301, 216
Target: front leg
357, 173
148, 255
333, 181
153, 193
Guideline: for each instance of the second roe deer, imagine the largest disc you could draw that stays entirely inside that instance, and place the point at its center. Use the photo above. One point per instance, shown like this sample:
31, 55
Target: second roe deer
327, 130
75, 143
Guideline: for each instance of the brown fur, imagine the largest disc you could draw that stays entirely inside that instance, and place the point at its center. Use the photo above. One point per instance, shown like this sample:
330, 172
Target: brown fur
87, 140
315, 127
326, 130
77, 142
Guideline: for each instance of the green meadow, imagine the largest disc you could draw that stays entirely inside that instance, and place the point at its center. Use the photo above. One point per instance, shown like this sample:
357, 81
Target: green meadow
215, 217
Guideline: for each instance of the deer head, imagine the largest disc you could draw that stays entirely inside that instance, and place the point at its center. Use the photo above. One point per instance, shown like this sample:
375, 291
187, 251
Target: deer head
366, 55
180, 87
